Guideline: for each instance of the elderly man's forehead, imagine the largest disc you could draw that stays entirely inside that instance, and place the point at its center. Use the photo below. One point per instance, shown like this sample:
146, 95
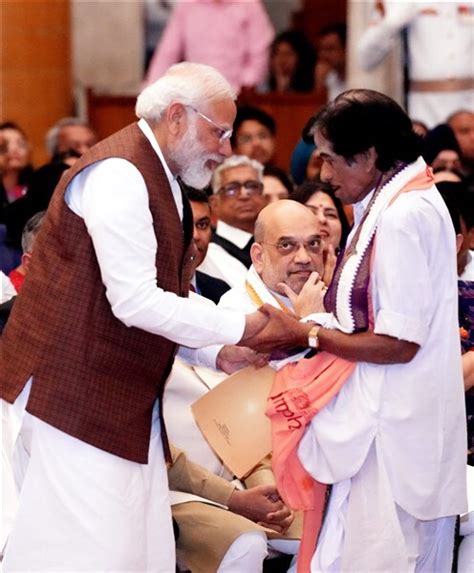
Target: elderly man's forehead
221, 110
287, 218
239, 173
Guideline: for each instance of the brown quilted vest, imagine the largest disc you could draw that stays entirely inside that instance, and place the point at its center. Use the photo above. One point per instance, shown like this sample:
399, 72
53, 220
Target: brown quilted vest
94, 378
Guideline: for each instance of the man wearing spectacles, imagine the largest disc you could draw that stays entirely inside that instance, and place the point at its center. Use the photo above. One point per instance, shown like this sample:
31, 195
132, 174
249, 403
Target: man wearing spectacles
287, 255
237, 200
84, 367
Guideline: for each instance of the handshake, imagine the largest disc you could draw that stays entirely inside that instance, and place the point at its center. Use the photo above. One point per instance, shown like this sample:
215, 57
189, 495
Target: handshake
272, 329
266, 330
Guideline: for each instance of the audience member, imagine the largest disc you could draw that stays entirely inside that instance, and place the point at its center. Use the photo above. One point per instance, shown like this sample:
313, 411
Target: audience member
70, 136
330, 71
66, 141
462, 123
205, 285
233, 37
90, 359
461, 209
230, 536
398, 275
320, 198
292, 61
440, 75
456, 193
32, 227
254, 134
419, 128
16, 171
276, 184
441, 149
237, 200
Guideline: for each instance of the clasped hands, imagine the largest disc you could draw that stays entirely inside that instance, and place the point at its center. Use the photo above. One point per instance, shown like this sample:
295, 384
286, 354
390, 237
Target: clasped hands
262, 504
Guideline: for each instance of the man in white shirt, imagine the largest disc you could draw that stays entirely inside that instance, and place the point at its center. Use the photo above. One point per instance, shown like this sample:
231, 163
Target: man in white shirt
237, 200
440, 44
83, 368
392, 442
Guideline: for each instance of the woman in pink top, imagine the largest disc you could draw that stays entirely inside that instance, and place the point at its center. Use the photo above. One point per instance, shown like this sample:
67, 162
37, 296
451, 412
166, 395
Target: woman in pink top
233, 37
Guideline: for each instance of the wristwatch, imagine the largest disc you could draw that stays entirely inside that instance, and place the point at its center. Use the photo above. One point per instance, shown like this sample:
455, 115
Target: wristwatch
313, 340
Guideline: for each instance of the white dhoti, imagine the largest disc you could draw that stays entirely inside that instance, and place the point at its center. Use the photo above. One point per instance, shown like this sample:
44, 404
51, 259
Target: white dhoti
83, 509
365, 530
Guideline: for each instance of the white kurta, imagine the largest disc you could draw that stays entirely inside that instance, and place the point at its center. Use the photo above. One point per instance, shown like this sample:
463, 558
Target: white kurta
222, 265
404, 420
440, 46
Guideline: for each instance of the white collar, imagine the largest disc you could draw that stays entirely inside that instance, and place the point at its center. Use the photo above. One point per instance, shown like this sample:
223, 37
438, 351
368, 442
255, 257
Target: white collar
360, 207
264, 293
386, 194
175, 187
233, 234
148, 133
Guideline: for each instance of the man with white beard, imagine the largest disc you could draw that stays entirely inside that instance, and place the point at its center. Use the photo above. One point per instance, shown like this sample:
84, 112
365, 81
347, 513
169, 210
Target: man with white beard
92, 338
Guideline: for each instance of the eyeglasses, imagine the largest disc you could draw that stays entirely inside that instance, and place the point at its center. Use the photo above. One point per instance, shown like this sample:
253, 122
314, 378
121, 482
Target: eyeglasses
247, 138
233, 188
222, 134
289, 247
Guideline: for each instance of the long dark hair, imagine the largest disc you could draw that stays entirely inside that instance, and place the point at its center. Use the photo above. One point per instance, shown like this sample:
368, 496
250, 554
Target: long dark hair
303, 77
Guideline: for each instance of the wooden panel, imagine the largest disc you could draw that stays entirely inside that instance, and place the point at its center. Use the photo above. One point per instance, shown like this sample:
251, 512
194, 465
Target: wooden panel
290, 112
35, 67
108, 114
319, 13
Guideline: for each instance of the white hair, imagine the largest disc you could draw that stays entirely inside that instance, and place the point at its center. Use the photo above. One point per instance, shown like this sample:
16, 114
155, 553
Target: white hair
30, 230
235, 161
52, 135
186, 83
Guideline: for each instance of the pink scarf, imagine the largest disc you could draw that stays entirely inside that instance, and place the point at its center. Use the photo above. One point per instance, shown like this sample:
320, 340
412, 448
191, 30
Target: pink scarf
299, 392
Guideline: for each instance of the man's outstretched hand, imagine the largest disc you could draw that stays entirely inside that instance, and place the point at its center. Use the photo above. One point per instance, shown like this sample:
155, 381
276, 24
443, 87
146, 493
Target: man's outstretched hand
269, 329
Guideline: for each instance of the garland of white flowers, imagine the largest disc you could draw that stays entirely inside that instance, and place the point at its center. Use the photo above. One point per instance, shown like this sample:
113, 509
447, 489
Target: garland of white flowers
351, 265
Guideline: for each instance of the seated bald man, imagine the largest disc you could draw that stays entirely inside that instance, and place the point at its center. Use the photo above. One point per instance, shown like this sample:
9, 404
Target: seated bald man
287, 255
